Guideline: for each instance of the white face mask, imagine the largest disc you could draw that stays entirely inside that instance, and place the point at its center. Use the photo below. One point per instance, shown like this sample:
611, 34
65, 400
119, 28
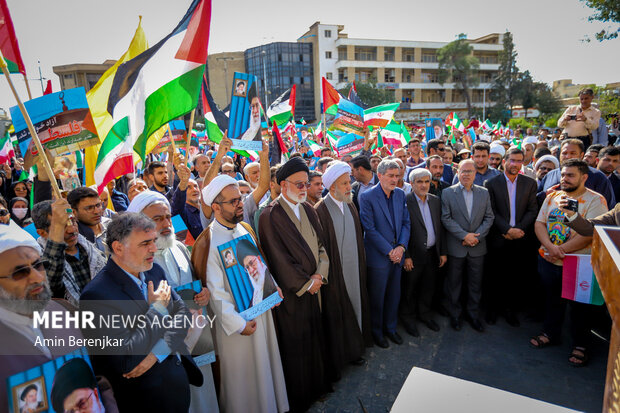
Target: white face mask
20, 213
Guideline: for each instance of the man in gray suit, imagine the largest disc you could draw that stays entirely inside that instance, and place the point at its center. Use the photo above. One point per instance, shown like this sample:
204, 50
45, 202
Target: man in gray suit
467, 216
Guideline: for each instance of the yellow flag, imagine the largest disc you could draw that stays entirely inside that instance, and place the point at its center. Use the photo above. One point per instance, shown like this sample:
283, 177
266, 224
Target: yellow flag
98, 101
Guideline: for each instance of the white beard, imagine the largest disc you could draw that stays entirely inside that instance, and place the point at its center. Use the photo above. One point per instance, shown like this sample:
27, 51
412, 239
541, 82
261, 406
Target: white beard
165, 242
254, 128
258, 284
300, 199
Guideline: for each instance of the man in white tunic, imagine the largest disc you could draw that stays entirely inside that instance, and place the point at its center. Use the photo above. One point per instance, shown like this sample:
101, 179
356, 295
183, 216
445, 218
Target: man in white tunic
251, 370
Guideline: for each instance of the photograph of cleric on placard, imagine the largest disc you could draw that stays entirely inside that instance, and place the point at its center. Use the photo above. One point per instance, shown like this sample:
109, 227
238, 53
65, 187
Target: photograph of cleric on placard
241, 87
249, 278
30, 396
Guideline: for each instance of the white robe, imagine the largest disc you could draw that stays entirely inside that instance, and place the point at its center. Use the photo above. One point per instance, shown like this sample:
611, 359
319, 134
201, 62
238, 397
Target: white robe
252, 379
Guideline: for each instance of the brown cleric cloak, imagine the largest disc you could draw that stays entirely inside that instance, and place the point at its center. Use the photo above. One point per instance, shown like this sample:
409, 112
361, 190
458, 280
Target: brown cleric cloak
345, 341
298, 319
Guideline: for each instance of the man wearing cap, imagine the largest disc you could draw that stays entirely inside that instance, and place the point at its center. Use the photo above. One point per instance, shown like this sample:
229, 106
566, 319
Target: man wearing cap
75, 388
250, 368
291, 236
174, 258
346, 294
23, 290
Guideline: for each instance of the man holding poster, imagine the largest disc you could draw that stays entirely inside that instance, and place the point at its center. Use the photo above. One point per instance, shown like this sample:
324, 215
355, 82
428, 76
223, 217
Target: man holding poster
246, 348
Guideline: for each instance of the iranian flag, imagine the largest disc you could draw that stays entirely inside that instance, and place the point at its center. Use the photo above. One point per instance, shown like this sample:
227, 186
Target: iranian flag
457, 123
8, 42
283, 108
332, 142
578, 280
6, 149
318, 132
381, 115
395, 134
486, 126
331, 98
314, 147
157, 86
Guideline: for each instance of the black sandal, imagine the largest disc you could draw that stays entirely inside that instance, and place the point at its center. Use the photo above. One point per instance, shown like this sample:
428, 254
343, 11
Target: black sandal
582, 358
540, 343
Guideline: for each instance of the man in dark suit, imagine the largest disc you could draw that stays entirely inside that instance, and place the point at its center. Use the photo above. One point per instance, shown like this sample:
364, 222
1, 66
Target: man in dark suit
609, 159
151, 371
434, 147
364, 177
386, 234
513, 199
467, 216
425, 254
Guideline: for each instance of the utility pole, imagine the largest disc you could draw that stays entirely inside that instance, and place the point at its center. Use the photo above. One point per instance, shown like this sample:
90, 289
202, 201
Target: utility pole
264, 55
226, 59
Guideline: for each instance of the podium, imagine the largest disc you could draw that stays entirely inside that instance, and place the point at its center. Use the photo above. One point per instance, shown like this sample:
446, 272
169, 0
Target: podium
606, 265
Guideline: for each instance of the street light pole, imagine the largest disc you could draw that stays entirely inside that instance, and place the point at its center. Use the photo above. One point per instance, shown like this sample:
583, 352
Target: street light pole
264, 54
484, 103
225, 59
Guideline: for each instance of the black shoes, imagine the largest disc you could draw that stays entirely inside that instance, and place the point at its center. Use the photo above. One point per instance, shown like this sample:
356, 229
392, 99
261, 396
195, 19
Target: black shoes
455, 323
381, 342
395, 338
410, 328
476, 325
359, 362
431, 324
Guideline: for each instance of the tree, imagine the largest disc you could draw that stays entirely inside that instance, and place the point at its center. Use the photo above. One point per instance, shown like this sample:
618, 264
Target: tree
606, 11
608, 102
457, 64
526, 91
505, 84
546, 102
369, 93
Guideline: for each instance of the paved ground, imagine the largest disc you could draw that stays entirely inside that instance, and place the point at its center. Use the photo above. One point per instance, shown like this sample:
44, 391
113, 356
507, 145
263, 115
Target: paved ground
500, 357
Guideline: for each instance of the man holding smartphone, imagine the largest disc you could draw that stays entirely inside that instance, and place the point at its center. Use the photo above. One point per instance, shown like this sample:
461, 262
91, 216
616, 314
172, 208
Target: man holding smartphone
580, 120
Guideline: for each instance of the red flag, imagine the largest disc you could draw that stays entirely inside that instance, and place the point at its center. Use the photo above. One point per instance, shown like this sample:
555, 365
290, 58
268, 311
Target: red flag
8, 41
48, 88
331, 97
278, 135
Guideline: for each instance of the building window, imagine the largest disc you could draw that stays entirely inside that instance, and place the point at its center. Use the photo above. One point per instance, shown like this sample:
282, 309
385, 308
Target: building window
328, 75
388, 54
328, 33
365, 53
69, 76
92, 79
430, 77
328, 55
342, 53
390, 75
429, 58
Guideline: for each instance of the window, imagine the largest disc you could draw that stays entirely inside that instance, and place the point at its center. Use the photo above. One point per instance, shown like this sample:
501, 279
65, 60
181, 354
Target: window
328, 55
69, 76
429, 77
92, 79
301, 57
342, 54
328, 75
328, 33
368, 53
429, 58
390, 75
388, 54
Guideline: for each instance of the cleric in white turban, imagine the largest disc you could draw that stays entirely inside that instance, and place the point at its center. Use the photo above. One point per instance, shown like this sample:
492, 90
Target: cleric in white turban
214, 188
335, 170
547, 158
12, 236
146, 198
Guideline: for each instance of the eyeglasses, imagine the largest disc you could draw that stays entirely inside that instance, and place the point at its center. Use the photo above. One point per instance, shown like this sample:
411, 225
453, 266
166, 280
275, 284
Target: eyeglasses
3, 212
80, 405
234, 202
91, 208
441, 149
299, 185
22, 272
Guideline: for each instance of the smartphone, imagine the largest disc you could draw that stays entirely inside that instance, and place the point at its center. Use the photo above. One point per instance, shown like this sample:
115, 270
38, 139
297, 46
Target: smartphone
573, 205
572, 117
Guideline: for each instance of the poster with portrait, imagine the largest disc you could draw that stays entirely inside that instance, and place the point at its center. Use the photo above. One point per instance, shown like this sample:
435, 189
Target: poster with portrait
63, 384
199, 339
434, 128
251, 284
244, 122
62, 121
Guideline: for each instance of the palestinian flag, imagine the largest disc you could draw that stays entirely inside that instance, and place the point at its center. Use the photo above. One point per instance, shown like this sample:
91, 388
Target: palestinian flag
331, 98
486, 125
280, 152
283, 108
144, 97
6, 149
314, 147
8, 42
578, 280
381, 115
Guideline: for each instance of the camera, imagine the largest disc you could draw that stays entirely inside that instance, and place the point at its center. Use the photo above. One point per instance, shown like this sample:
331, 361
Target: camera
573, 205
572, 117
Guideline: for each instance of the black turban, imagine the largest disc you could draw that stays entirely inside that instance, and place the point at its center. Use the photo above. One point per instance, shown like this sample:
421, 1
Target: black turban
27, 390
245, 248
293, 165
74, 374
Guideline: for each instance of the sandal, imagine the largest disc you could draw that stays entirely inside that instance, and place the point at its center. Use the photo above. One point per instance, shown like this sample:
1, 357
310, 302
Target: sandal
580, 355
540, 341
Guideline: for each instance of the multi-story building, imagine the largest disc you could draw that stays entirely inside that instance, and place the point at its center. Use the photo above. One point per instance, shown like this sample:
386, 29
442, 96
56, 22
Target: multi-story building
81, 74
278, 66
220, 70
409, 68
568, 92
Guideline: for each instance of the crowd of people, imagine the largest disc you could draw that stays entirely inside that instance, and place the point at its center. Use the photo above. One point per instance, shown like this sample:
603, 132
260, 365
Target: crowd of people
354, 247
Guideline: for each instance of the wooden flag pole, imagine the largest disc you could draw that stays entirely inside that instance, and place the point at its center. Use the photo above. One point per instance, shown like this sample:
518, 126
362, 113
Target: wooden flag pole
28, 88
174, 148
33, 133
189, 134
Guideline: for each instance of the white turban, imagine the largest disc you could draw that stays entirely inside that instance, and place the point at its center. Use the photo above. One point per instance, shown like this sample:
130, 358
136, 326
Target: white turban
530, 139
419, 173
547, 158
214, 188
499, 149
335, 170
146, 198
12, 236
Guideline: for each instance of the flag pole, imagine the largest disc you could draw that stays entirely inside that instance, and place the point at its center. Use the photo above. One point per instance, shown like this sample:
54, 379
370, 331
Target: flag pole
28, 87
174, 148
189, 134
33, 133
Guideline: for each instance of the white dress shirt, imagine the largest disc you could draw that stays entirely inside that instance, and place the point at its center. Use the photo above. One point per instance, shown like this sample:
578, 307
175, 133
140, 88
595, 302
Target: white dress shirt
512, 196
425, 211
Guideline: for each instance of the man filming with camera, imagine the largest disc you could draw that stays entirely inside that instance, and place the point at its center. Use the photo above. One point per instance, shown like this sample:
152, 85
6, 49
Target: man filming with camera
580, 120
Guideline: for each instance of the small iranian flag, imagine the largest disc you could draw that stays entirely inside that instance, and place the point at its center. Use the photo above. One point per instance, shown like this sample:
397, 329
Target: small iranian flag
486, 126
381, 115
394, 134
457, 123
578, 280
6, 149
314, 147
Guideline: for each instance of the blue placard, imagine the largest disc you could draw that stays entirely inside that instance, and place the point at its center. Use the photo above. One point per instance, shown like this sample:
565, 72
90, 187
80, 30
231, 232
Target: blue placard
178, 223
244, 122
203, 351
31, 229
265, 305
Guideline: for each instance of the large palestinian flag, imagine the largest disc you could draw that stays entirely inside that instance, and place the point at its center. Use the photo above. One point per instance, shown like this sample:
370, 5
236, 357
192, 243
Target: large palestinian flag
283, 108
155, 87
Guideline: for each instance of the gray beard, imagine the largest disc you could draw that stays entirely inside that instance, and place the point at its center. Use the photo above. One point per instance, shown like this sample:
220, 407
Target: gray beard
26, 307
165, 242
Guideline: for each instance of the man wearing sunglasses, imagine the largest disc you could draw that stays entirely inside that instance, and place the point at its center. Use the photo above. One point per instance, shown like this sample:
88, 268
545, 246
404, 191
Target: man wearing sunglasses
88, 210
23, 290
73, 260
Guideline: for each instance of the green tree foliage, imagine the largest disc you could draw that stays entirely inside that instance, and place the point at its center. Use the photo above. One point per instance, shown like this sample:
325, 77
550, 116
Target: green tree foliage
457, 64
608, 102
607, 11
369, 93
506, 83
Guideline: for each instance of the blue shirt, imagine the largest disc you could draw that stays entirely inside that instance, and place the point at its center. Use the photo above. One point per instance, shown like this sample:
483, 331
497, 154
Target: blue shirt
119, 200
189, 213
